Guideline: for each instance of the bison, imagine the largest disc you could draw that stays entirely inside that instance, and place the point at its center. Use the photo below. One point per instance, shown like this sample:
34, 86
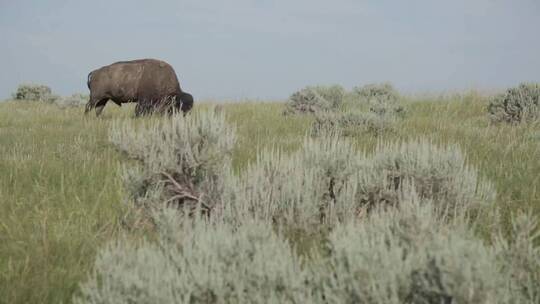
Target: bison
151, 83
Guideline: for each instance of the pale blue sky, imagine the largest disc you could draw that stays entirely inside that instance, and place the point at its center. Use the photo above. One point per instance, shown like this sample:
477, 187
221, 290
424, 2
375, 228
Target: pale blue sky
267, 49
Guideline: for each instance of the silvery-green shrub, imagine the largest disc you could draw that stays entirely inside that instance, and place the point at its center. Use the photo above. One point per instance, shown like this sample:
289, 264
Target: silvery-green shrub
377, 91
311, 187
199, 263
328, 181
380, 98
184, 161
372, 108
34, 92
386, 108
516, 105
408, 254
179, 161
519, 254
75, 100
402, 231
352, 123
313, 99
439, 173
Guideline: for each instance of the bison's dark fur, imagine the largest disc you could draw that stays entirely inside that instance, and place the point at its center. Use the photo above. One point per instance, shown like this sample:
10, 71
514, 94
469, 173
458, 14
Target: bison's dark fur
151, 83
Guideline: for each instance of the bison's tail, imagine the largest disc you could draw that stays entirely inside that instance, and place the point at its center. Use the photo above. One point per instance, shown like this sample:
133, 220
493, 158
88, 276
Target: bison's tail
89, 79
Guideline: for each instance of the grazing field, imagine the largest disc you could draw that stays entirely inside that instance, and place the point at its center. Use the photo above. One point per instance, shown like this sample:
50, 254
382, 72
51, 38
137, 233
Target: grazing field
62, 199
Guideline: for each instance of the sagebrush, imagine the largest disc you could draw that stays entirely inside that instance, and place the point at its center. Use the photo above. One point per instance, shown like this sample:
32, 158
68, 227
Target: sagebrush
441, 174
408, 254
353, 123
327, 181
198, 263
314, 99
181, 162
373, 109
74, 100
381, 92
35, 92
516, 105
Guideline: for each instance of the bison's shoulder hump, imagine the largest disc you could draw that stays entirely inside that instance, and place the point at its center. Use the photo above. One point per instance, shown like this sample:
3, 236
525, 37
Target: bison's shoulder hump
156, 62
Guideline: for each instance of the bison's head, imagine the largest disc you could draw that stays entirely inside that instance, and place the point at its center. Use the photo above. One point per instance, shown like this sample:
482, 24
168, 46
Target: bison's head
186, 101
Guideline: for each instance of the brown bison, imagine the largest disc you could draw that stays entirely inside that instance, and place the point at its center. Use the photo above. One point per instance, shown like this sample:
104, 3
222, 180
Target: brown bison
151, 83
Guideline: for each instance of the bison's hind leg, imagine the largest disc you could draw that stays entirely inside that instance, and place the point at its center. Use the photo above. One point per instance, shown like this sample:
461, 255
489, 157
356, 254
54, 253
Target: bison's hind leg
90, 105
100, 106
96, 103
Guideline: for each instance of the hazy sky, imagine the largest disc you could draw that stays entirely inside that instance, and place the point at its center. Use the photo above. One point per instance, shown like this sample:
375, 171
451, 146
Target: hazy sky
267, 49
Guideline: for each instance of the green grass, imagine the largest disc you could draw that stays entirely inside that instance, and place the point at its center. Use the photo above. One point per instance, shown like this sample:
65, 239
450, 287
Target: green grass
61, 197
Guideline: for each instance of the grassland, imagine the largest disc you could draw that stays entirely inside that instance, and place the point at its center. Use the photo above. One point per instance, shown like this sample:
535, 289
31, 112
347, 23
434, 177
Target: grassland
61, 197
